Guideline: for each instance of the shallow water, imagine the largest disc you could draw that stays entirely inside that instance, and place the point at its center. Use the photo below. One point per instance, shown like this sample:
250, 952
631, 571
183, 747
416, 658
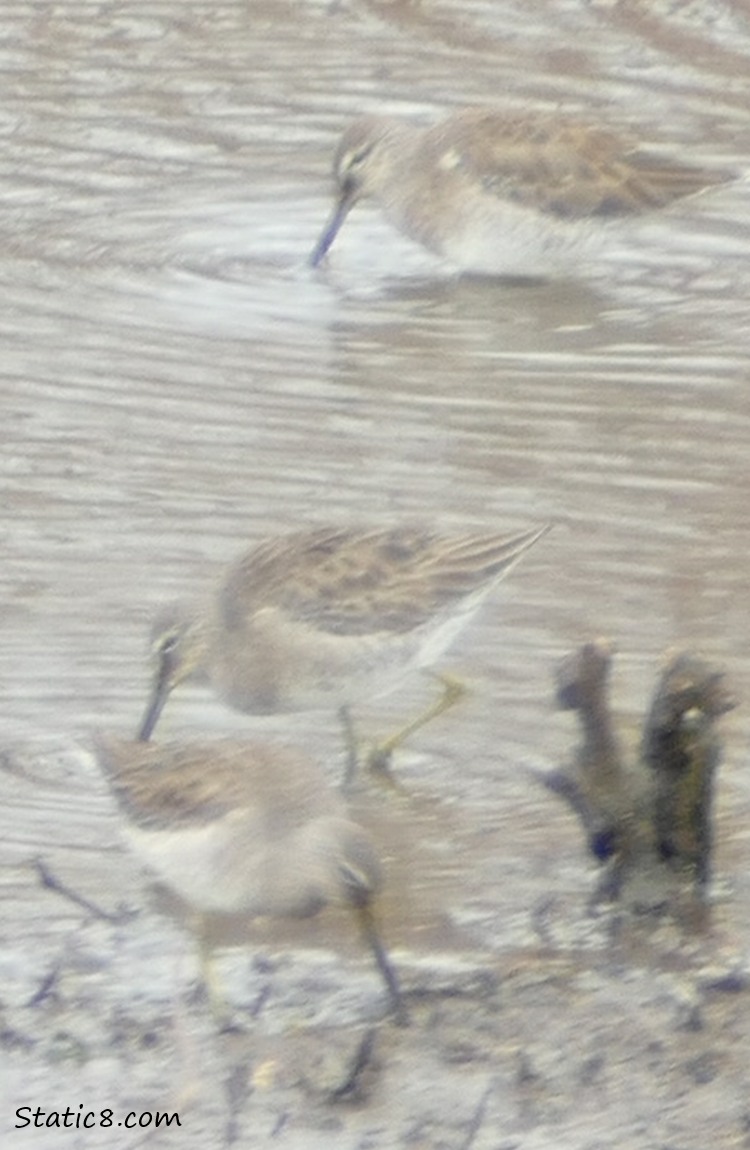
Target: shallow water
176, 384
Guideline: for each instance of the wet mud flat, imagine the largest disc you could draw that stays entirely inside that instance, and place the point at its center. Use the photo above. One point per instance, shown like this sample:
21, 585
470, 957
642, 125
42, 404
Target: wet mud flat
532, 1055
563, 1021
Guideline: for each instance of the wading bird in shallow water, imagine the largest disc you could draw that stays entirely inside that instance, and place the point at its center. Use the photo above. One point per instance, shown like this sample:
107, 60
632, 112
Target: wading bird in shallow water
244, 828
331, 617
503, 194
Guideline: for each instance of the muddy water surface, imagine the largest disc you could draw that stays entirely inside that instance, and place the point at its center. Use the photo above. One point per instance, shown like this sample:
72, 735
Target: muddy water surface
175, 383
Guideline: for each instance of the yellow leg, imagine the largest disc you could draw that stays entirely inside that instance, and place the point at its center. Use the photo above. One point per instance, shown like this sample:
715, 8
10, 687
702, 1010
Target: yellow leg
379, 758
216, 999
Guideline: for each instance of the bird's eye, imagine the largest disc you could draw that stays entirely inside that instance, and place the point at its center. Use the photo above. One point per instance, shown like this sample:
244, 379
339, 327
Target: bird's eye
354, 160
361, 155
168, 644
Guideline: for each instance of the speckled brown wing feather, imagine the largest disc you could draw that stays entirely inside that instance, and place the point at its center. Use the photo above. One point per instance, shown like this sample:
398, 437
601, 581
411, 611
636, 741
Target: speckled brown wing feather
184, 785
348, 582
568, 169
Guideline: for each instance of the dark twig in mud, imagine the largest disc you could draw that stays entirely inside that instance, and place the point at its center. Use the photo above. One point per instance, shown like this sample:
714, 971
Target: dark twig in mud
650, 811
50, 881
682, 749
45, 989
477, 1118
238, 1089
351, 1087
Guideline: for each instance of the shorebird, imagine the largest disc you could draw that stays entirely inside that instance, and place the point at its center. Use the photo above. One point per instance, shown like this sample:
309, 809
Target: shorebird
503, 194
245, 828
331, 617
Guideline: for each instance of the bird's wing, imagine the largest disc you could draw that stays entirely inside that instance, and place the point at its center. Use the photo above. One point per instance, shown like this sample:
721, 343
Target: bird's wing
569, 169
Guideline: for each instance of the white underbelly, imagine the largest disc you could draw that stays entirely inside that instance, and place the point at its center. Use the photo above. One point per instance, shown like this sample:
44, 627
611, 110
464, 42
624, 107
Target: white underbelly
194, 862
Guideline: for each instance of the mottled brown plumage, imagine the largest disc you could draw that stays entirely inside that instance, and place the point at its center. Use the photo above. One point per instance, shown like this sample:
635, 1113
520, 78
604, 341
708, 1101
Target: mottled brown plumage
328, 617
503, 193
245, 828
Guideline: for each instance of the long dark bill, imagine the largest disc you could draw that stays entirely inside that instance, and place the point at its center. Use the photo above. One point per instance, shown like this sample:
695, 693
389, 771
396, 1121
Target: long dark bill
159, 696
332, 228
